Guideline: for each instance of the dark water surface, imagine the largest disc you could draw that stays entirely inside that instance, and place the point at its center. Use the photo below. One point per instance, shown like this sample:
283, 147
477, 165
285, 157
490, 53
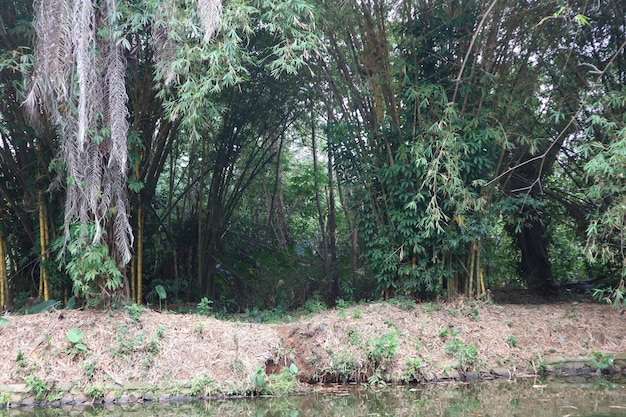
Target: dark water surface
563, 397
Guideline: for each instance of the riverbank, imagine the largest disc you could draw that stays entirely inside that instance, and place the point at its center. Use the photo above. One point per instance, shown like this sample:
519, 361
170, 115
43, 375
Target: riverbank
69, 357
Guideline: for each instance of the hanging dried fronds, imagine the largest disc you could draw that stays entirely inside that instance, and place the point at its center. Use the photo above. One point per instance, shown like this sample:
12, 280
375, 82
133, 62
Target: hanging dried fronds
209, 11
53, 54
164, 47
80, 82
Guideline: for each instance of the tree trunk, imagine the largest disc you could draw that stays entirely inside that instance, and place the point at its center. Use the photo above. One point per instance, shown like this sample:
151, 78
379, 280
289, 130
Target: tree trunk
4, 277
332, 233
535, 264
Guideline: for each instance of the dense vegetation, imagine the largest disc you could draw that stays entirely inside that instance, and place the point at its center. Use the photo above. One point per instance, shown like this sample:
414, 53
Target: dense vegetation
259, 153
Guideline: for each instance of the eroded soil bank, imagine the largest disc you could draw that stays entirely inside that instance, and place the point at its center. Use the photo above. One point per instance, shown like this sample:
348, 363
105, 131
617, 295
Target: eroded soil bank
154, 356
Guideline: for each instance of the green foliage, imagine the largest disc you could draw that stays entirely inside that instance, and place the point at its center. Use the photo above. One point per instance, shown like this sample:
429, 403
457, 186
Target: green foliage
469, 310
403, 303
205, 386
605, 169
41, 307
511, 341
130, 340
160, 290
38, 386
615, 296
353, 337
383, 349
314, 305
259, 380
376, 380
77, 347
95, 392
90, 367
275, 315
467, 355
134, 311
412, 371
343, 366
5, 398
205, 307
285, 382
91, 269
4, 321
444, 332
602, 361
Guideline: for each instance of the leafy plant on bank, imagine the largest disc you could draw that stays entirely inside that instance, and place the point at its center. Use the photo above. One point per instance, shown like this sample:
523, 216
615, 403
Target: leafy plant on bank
92, 271
204, 385
467, 355
602, 361
77, 347
383, 350
285, 382
38, 386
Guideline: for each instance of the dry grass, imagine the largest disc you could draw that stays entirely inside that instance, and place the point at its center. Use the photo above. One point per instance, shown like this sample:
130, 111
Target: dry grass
168, 350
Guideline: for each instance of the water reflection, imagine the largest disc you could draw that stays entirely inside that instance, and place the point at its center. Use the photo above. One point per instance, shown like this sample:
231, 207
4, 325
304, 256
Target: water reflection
522, 398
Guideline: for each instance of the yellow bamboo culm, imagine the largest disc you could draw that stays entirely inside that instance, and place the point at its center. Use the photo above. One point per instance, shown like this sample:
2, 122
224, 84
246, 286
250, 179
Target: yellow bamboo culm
3, 275
479, 270
46, 255
43, 284
133, 274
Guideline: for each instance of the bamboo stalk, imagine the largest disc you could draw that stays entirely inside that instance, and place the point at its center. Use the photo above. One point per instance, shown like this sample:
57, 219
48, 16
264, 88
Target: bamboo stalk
139, 270
3, 275
42, 243
46, 255
479, 271
133, 274
472, 270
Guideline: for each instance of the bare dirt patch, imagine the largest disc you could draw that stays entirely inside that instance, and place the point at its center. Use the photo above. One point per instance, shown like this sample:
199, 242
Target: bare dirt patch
171, 354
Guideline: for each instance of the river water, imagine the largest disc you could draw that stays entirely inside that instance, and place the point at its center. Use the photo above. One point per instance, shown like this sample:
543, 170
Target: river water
562, 397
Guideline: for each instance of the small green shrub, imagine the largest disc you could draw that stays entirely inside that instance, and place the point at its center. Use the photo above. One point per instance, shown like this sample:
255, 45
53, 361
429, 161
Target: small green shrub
89, 265
403, 303
602, 361
467, 355
376, 380
204, 385
412, 372
314, 305
160, 290
343, 366
511, 341
77, 347
95, 391
259, 380
286, 382
205, 307
90, 368
444, 332
384, 349
198, 327
37, 386
353, 337
134, 311
342, 304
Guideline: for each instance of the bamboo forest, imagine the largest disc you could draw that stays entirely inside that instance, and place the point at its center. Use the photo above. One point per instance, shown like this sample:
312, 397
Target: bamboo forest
263, 153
